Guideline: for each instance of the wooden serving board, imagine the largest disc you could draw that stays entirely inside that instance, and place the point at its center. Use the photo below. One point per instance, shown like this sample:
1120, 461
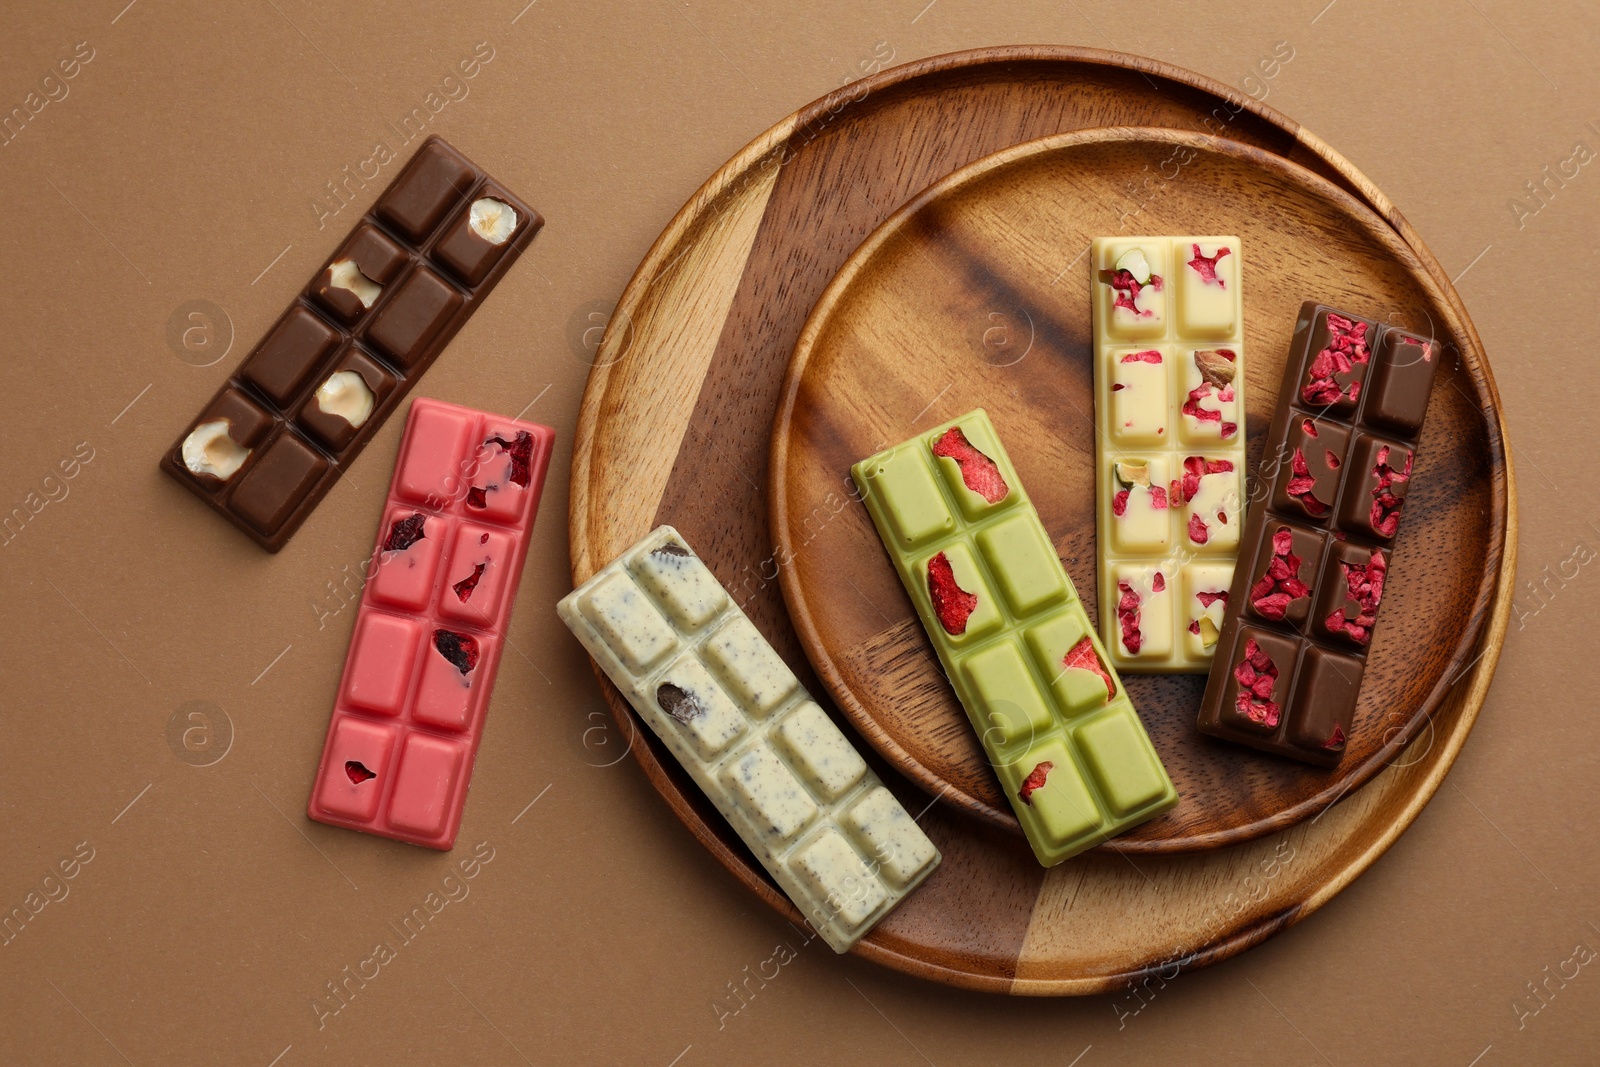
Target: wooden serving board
675, 426
977, 294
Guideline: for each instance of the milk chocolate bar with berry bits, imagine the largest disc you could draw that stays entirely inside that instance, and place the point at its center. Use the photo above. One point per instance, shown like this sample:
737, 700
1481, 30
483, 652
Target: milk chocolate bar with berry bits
1317, 551
305, 402
1169, 444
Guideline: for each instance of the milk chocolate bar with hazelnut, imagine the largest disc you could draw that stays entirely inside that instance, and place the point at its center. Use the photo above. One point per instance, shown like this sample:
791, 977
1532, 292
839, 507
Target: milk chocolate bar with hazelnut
344, 355
1316, 553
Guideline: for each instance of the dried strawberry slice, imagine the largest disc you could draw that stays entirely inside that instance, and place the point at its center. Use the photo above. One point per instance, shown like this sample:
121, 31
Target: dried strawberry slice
404, 533
953, 604
1301, 486
1083, 657
1128, 618
1207, 268
459, 649
1034, 781
1257, 675
978, 471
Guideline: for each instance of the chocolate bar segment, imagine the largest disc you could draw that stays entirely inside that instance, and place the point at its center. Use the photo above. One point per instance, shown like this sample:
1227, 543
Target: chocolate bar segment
1013, 638
1169, 444
1316, 553
306, 400
410, 709
800, 796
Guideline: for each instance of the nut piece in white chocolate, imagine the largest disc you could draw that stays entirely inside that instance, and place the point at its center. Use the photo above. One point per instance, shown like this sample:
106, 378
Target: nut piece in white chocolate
346, 395
209, 450
493, 220
344, 274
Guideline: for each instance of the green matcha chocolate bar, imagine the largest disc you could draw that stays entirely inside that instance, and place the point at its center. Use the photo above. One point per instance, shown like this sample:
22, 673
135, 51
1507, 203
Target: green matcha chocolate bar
1015, 641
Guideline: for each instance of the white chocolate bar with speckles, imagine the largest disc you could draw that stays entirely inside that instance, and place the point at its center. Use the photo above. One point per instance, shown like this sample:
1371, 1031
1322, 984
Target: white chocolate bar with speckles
1169, 444
698, 671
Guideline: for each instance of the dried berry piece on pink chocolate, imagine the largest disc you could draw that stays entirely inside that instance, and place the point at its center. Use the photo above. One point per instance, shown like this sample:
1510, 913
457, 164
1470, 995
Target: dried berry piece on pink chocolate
1347, 347
1280, 583
1364, 585
466, 585
953, 604
1302, 484
459, 649
1207, 268
1034, 781
1385, 516
1128, 618
520, 448
978, 471
477, 497
404, 533
1257, 675
358, 772
679, 703
1083, 657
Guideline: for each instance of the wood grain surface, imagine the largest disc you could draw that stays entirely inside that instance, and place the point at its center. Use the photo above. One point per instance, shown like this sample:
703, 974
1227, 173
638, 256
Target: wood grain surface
675, 427
977, 294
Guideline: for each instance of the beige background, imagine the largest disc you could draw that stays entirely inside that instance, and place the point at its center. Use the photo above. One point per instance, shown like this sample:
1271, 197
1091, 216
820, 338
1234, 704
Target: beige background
181, 164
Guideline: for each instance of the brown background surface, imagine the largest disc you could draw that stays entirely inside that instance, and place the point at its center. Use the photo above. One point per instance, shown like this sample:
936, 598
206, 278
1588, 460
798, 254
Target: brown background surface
182, 165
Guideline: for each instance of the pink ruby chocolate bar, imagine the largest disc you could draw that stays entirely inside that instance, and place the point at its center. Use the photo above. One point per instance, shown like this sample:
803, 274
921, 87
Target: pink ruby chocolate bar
409, 713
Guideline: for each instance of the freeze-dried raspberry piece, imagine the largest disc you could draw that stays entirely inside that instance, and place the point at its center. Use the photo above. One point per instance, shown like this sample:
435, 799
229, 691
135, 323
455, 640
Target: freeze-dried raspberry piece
1199, 533
404, 533
1152, 356
1385, 517
1194, 627
1257, 675
1208, 599
1331, 459
477, 497
1195, 468
1128, 289
1159, 583
520, 448
1207, 268
1119, 502
358, 772
1083, 657
1158, 497
1034, 781
1192, 408
1301, 485
466, 585
1335, 740
1347, 346
1308, 427
459, 649
1280, 583
1128, 618
978, 471
953, 604
679, 703
1364, 587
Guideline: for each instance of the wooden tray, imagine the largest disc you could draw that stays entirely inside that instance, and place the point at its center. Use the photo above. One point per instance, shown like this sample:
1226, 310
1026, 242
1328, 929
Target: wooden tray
675, 426
976, 294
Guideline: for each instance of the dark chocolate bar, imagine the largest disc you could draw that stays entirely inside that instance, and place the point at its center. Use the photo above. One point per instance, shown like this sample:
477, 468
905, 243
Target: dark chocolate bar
305, 402
1316, 552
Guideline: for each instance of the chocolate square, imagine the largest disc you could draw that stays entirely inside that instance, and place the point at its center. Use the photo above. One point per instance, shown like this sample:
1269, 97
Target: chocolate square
333, 430
1262, 711
1397, 398
1380, 473
283, 361
434, 181
1305, 545
464, 253
409, 321
1336, 599
380, 261
1324, 703
282, 477
1316, 447
1322, 386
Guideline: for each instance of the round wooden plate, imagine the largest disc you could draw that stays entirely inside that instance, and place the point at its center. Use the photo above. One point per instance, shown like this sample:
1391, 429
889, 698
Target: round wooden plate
976, 294
675, 426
